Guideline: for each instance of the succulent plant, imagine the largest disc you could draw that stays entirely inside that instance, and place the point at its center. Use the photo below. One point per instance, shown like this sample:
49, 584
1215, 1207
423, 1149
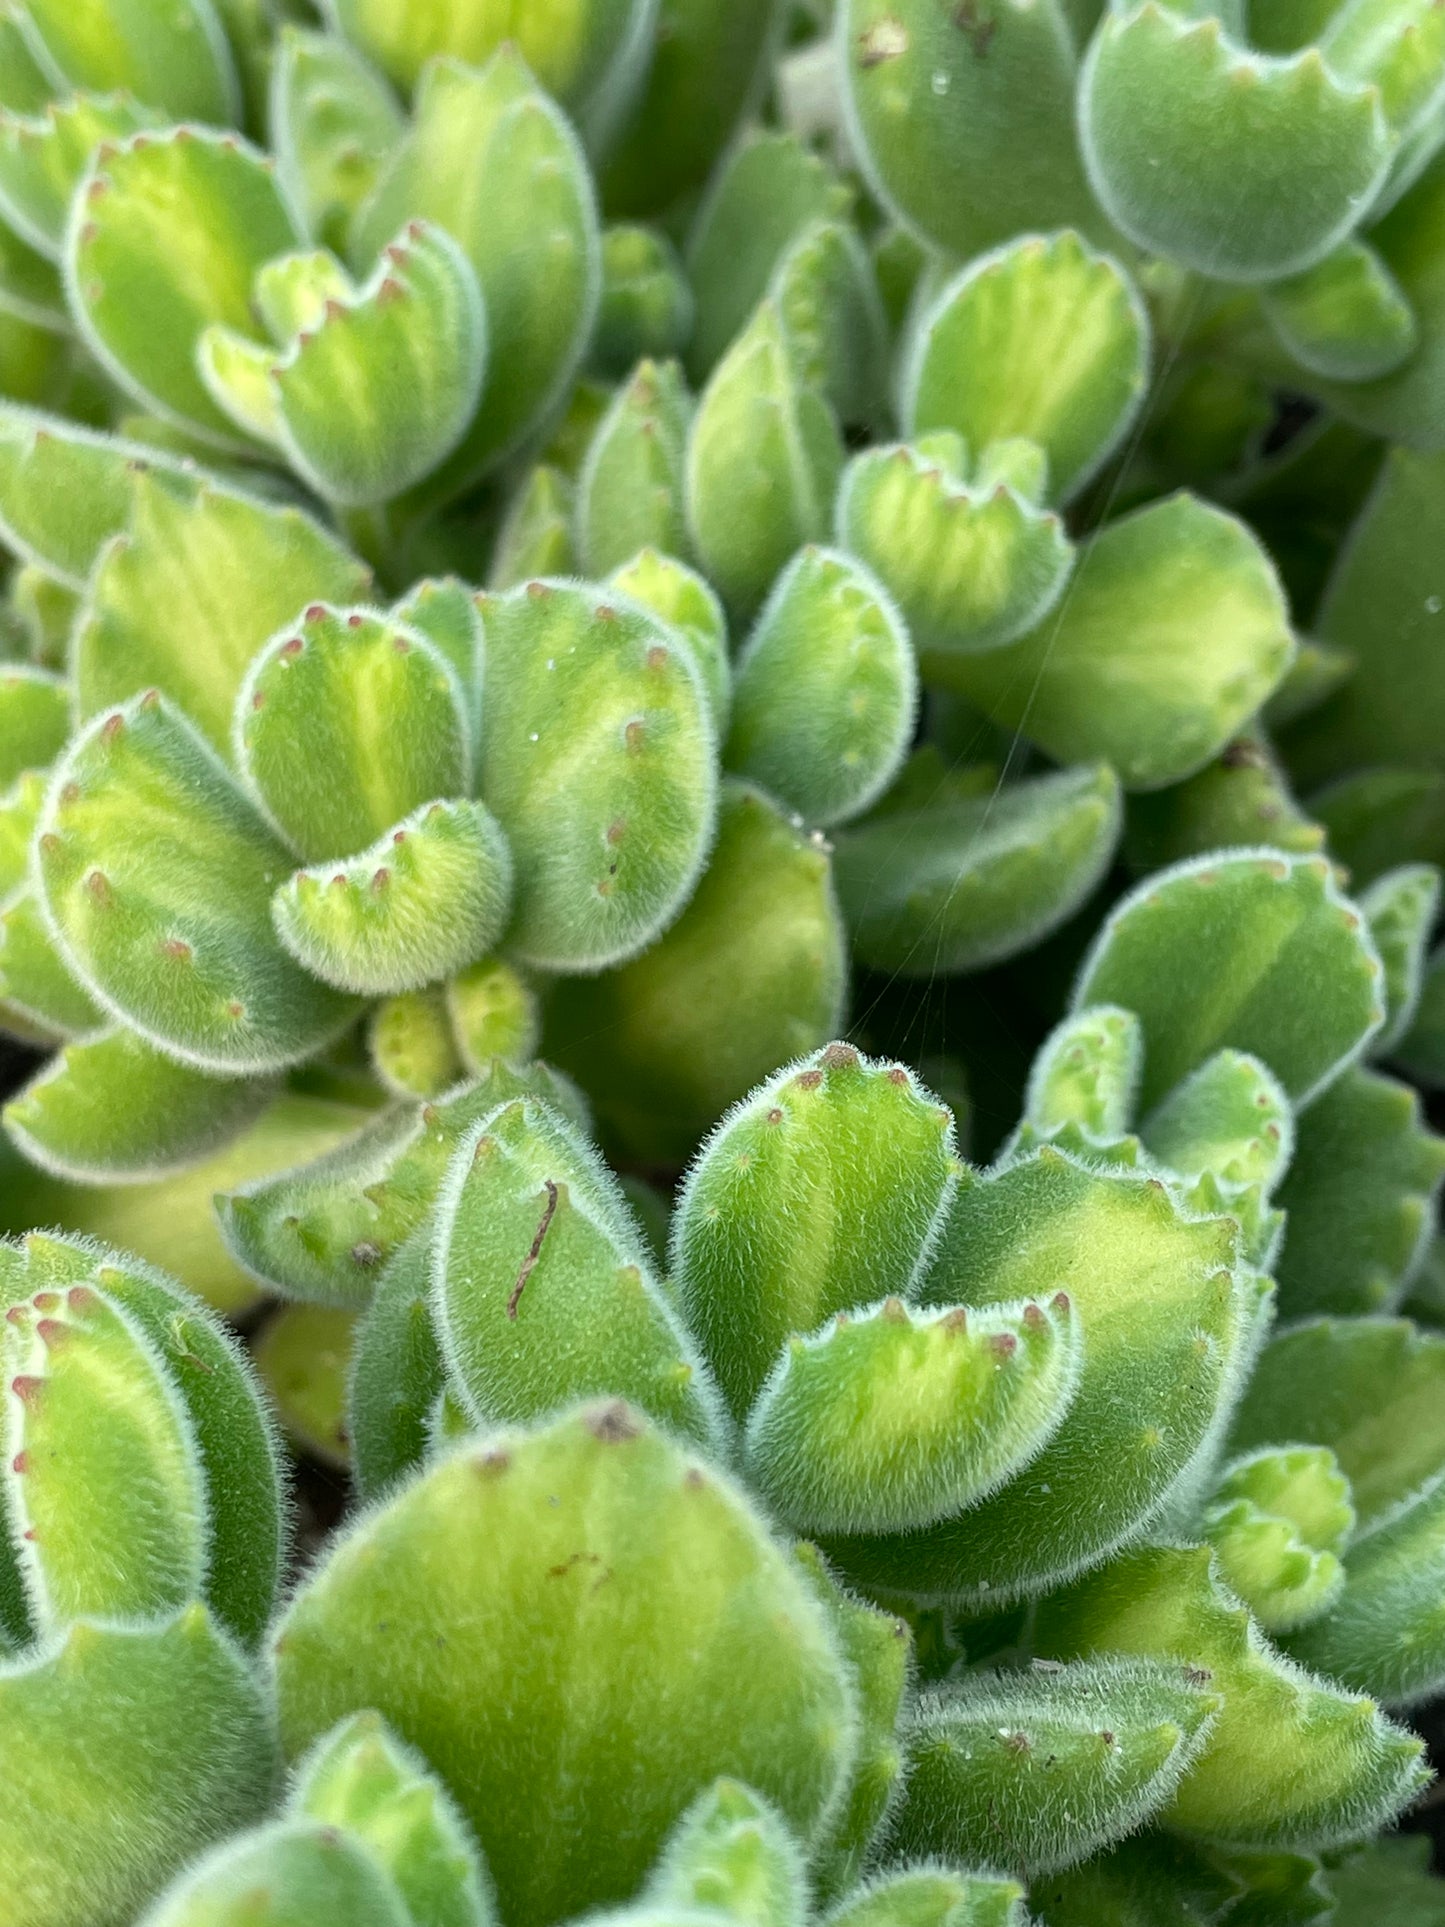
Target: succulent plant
722, 792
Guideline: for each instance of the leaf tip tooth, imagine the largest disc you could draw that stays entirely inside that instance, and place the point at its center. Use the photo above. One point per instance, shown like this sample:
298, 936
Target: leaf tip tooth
1003, 1345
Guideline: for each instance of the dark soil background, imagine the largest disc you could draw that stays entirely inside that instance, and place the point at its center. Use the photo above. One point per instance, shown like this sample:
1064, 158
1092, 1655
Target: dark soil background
322, 1494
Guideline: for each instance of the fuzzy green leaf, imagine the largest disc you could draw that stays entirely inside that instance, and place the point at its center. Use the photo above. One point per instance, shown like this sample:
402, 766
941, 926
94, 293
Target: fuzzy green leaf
1400, 908
1290, 1761
111, 1108
1360, 1195
954, 884
972, 565
544, 1290
362, 1779
685, 601
177, 61
166, 234
157, 875
347, 724
323, 1230
647, 302
731, 1853
500, 1550
764, 196
598, 762
966, 117
763, 461
427, 898
630, 490
1087, 1073
200, 563
1163, 1313
1242, 168
1255, 950
333, 122
824, 1188
1043, 339
1174, 632
1039, 1770
1345, 318
492, 160
825, 690
126, 1751
888, 1420
42, 158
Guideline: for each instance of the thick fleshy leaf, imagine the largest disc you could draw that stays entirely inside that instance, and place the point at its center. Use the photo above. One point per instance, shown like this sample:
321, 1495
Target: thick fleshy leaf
828, 296
731, 1853
105, 1496
1400, 908
966, 117
176, 62
763, 461
598, 761
1174, 632
1087, 1073
1293, 975
65, 490
280, 1876
1229, 1117
126, 1751
1278, 1521
1162, 1309
535, 538
323, 1230
374, 393
1367, 1388
826, 1186
1240, 801
630, 490
427, 898
347, 724
1041, 1769
1242, 168
499, 1550
362, 1779
932, 1896
111, 1108
753, 973
880, 1651
1394, 1577
825, 690
770, 189
188, 591
1345, 318
647, 303
544, 1291
43, 157
157, 876
1043, 339
1290, 1761
963, 882
166, 235
215, 1405
41, 998
685, 601
1360, 1195
887, 1419
491, 159
333, 121
973, 564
